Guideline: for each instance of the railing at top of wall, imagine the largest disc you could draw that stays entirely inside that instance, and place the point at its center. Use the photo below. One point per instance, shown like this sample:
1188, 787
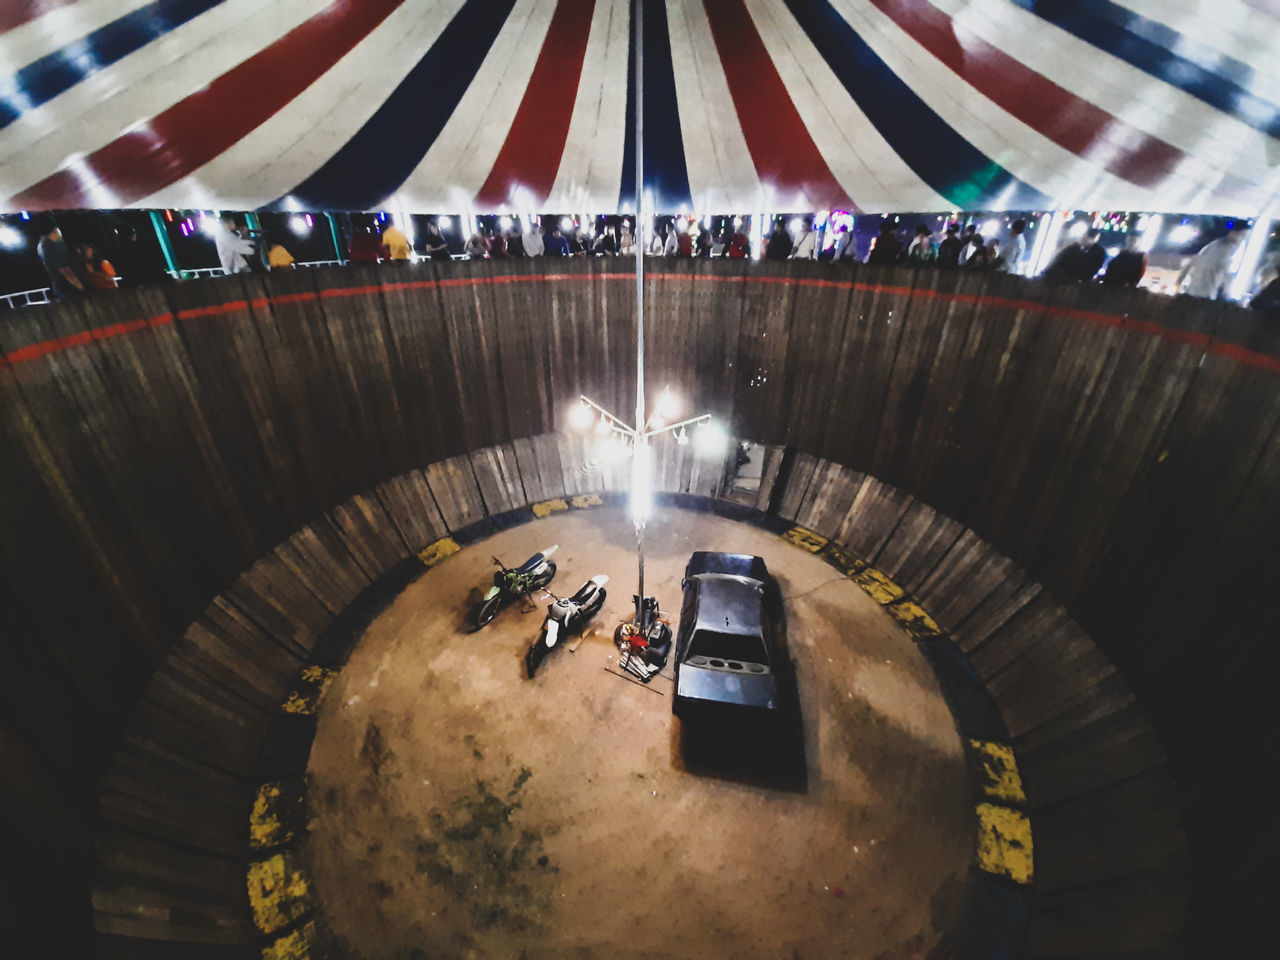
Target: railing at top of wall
24, 298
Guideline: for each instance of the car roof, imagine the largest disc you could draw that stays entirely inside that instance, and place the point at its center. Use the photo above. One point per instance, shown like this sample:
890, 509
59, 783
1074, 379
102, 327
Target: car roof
728, 604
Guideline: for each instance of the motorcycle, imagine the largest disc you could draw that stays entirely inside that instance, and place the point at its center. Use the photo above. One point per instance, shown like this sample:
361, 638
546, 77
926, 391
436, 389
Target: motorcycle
534, 574
644, 651
565, 615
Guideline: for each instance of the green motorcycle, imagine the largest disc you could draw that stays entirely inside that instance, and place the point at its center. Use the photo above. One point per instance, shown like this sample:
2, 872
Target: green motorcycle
534, 574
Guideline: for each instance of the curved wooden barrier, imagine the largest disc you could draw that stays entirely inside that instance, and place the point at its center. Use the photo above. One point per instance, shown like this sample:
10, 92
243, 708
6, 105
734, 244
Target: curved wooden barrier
1119, 448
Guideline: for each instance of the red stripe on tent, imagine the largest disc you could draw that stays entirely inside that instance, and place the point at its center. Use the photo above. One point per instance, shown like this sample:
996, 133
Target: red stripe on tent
195, 130
530, 155
14, 13
784, 154
1051, 110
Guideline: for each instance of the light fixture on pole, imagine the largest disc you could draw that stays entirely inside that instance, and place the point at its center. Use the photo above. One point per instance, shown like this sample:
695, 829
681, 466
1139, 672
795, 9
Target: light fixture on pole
708, 439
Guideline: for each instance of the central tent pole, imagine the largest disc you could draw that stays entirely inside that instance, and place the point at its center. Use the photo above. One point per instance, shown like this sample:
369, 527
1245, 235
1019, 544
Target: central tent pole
641, 460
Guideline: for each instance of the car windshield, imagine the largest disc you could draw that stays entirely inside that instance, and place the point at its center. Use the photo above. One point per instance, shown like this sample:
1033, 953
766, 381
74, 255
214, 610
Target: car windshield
728, 646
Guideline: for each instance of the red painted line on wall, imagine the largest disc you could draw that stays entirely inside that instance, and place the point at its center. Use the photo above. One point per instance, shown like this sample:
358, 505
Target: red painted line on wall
217, 310
193, 131
530, 155
781, 148
1051, 110
1240, 354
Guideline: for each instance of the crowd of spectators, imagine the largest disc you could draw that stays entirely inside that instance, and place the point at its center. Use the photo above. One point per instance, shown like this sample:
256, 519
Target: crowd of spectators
81, 270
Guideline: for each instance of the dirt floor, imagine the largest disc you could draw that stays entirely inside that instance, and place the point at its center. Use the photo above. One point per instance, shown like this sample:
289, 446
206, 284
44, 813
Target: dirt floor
462, 810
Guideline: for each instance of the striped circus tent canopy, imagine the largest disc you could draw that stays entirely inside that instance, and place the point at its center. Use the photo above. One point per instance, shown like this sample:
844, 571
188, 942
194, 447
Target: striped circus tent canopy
526, 105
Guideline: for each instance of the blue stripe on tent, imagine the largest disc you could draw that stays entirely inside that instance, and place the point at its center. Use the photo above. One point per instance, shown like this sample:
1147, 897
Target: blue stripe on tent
371, 166
939, 155
42, 80
1149, 46
665, 175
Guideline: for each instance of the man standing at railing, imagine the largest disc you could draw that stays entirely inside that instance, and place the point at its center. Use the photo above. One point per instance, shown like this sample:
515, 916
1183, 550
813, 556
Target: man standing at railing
233, 248
64, 278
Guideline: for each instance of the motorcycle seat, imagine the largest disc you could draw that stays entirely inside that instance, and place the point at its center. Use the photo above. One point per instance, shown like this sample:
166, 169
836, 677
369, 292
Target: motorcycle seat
529, 565
583, 593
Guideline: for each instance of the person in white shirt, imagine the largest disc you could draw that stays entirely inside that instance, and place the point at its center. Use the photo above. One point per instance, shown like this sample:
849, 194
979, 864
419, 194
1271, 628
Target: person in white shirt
1209, 270
626, 242
807, 248
671, 246
533, 245
1015, 248
233, 249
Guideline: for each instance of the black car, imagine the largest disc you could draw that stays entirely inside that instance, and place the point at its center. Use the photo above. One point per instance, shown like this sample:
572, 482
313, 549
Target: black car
726, 658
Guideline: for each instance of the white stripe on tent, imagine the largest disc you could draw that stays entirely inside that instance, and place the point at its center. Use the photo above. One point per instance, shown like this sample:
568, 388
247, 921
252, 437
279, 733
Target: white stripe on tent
590, 173
1227, 155
306, 132
1071, 181
722, 178
860, 158
459, 162
58, 28
1231, 28
132, 91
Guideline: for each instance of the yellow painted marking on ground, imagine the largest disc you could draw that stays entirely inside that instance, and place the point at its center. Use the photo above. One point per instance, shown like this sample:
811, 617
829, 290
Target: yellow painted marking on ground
844, 561
306, 696
442, 548
912, 616
279, 893
997, 770
1004, 842
297, 945
584, 500
274, 807
548, 507
877, 586
805, 539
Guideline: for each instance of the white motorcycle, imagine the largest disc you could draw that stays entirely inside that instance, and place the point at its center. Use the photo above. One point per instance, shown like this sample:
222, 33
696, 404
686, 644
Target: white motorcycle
566, 615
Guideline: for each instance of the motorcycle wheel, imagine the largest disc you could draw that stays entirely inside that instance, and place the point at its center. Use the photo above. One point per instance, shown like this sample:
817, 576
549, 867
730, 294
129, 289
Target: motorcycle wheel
546, 576
488, 610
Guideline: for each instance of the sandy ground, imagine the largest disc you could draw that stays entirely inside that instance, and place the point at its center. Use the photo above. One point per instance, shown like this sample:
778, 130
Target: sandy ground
462, 810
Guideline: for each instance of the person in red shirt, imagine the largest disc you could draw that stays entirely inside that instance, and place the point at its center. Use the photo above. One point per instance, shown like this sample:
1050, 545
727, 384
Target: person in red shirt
366, 247
684, 245
738, 247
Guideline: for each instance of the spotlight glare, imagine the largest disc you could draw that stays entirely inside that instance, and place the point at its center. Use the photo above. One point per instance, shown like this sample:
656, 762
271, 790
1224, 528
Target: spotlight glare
1078, 230
668, 404
641, 484
580, 416
711, 439
566, 224
504, 224
298, 225
602, 427
10, 238
444, 223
